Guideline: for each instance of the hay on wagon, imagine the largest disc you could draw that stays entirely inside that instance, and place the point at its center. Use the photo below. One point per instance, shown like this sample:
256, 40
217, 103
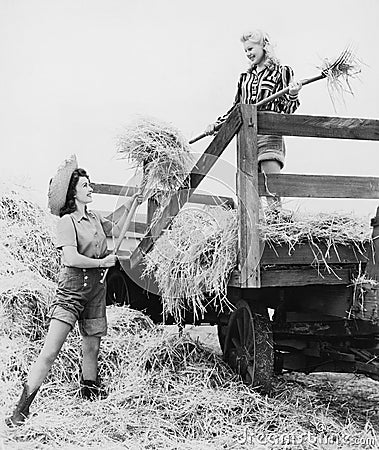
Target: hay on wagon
192, 261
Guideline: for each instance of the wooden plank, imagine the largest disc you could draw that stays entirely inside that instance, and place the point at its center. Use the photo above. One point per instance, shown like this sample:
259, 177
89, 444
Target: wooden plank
318, 126
307, 254
295, 277
113, 189
201, 168
319, 186
304, 277
134, 227
116, 189
248, 199
338, 328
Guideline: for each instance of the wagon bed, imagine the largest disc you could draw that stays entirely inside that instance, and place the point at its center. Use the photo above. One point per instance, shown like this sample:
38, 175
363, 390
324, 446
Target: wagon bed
321, 320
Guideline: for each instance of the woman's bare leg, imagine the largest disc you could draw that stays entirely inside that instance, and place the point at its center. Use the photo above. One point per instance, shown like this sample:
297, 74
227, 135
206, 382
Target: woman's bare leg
55, 338
90, 350
272, 166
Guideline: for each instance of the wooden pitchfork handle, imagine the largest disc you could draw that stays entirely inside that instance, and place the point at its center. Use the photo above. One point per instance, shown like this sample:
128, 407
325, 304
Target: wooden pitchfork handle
266, 100
122, 233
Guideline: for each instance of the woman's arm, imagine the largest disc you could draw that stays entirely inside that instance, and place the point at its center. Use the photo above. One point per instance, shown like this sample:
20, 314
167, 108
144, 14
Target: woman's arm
116, 226
72, 258
120, 223
289, 102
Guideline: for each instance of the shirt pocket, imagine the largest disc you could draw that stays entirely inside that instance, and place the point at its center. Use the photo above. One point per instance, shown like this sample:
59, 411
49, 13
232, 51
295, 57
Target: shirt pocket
268, 86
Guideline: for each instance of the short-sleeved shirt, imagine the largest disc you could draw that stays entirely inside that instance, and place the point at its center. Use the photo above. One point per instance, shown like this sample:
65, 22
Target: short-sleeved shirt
86, 232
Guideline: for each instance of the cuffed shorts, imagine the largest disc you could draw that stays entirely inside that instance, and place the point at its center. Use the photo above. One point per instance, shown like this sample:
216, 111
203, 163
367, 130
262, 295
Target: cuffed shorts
80, 297
271, 148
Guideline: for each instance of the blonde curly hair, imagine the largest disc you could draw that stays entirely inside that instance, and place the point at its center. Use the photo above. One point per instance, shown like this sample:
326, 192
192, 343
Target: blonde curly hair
262, 38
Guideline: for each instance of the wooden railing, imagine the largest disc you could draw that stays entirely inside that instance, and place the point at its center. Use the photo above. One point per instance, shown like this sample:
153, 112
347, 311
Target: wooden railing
246, 122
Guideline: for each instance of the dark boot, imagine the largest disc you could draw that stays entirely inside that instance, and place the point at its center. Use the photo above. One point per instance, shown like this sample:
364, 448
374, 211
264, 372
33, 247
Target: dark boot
92, 390
21, 413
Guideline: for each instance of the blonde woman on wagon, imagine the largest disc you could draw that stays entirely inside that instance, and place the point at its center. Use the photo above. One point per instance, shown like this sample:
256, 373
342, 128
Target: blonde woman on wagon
265, 77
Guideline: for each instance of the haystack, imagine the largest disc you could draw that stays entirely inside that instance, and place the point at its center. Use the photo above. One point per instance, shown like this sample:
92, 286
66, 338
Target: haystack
29, 265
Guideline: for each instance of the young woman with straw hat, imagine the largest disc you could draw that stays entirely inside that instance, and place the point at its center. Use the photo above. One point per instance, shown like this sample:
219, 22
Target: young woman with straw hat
264, 77
80, 295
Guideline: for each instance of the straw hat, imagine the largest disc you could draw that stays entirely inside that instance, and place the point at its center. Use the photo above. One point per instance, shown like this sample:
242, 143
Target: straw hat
59, 184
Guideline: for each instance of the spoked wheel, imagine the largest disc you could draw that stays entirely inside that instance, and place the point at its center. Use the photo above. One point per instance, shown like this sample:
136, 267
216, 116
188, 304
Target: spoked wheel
221, 333
248, 347
117, 288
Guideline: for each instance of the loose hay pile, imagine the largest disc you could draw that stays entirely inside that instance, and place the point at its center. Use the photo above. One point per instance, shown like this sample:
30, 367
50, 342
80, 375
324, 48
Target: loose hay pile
165, 391
322, 232
26, 235
29, 264
328, 228
191, 262
160, 149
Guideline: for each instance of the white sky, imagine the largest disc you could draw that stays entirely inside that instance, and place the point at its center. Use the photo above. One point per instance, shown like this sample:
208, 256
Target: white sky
74, 71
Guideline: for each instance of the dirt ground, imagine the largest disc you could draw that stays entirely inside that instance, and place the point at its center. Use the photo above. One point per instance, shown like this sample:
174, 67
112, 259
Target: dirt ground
347, 396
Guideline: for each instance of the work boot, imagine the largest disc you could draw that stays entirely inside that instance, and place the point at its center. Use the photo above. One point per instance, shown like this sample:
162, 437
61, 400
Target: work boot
21, 413
92, 390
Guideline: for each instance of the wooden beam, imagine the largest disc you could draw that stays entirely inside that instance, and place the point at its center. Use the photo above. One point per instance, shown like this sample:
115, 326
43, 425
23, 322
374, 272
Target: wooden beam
319, 186
306, 254
200, 170
134, 227
248, 199
318, 126
295, 277
116, 189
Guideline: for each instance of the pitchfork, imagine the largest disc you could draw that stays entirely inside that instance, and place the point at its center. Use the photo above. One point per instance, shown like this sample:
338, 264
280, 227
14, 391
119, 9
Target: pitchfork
346, 65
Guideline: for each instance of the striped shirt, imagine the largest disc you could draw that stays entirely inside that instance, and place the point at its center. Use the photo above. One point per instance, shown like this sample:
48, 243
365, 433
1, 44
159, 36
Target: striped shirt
254, 86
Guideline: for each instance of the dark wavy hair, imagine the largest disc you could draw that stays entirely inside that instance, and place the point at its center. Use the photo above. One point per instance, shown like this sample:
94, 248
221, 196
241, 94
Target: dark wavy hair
70, 205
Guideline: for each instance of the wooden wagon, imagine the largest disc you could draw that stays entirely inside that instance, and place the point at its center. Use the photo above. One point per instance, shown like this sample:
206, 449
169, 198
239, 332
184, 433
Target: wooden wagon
321, 322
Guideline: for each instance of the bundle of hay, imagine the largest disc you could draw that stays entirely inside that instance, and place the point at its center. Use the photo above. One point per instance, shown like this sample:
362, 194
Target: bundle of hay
339, 73
160, 149
192, 261
330, 229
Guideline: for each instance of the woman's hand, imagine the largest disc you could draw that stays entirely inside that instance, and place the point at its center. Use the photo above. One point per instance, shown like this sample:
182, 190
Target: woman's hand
294, 87
210, 129
139, 197
108, 261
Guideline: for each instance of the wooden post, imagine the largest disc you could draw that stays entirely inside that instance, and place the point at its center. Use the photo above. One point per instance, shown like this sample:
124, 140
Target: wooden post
248, 199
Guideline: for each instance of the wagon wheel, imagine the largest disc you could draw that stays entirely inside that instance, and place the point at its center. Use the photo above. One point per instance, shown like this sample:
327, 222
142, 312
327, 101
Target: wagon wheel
117, 288
248, 347
221, 333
